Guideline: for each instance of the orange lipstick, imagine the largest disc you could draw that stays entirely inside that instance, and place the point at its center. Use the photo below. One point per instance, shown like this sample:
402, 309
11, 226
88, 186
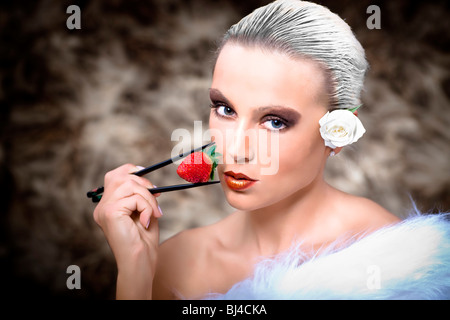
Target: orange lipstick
238, 181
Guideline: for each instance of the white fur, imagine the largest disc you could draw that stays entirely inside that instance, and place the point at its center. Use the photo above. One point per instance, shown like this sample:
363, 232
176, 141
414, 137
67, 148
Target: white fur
410, 260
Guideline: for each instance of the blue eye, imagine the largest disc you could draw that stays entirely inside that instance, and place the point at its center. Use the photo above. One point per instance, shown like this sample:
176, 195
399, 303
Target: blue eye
225, 111
274, 124
277, 124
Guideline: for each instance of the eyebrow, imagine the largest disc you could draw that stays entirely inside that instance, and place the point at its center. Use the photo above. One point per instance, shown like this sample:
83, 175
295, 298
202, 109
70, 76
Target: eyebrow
290, 115
216, 95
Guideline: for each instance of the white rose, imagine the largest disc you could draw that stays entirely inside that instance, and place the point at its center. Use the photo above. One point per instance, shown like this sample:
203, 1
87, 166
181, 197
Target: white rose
340, 128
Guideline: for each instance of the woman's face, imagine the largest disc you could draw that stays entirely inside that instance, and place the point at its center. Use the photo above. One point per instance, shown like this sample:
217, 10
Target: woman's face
265, 111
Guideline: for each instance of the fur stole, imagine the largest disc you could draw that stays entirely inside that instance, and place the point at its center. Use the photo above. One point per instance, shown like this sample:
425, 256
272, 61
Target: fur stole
409, 260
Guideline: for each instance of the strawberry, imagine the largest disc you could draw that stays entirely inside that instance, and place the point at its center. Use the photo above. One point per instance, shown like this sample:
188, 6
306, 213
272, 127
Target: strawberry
199, 166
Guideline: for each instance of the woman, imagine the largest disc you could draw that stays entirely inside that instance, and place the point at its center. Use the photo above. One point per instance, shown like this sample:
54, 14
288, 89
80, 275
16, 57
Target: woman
292, 71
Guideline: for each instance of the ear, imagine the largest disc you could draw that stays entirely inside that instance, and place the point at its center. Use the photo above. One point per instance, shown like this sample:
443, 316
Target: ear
336, 150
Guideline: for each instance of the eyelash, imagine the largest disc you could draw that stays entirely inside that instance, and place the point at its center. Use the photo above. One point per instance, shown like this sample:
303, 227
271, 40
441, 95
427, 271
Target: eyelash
216, 105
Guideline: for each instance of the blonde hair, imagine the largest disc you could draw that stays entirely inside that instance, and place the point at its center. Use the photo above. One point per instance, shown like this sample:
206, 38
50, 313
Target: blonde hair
306, 30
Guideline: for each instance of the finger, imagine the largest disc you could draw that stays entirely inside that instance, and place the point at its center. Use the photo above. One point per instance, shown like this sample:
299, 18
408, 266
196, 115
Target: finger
156, 194
123, 170
147, 213
138, 168
146, 183
151, 235
154, 231
119, 183
142, 189
126, 189
136, 203
157, 212
141, 180
130, 188
117, 176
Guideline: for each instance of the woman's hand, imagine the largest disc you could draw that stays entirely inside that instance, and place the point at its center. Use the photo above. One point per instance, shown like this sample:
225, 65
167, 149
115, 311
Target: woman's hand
127, 215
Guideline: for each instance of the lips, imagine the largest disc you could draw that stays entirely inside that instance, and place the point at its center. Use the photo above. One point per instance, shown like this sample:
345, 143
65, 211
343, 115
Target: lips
238, 181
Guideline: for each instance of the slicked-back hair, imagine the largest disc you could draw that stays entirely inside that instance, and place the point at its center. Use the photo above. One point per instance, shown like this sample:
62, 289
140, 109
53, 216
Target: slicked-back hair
303, 29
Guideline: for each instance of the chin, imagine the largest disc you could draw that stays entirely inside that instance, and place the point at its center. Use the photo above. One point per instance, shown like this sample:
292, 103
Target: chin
245, 201
240, 205
238, 200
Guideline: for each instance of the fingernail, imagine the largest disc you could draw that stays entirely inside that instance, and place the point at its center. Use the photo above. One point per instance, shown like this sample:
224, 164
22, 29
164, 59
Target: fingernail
148, 224
140, 168
160, 210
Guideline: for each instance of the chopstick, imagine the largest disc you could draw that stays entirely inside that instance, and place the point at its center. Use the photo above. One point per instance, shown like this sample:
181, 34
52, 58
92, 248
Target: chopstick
171, 160
177, 187
95, 194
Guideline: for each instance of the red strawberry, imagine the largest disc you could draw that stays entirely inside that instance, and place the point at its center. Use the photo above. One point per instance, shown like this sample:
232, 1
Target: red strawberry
199, 166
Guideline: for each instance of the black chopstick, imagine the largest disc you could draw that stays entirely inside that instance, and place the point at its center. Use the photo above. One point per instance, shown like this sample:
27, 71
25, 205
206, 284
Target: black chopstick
97, 197
96, 192
169, 161
181, 186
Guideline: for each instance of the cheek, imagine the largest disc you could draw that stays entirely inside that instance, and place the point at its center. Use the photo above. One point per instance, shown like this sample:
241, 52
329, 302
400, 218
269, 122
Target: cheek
301, 160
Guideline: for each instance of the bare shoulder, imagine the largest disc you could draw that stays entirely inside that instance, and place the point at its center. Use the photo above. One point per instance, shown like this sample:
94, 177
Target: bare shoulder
177, 257
366, 215
182, 269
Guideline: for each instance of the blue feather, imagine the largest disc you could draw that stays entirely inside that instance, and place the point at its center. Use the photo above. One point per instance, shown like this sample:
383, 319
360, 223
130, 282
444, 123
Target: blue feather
409, 260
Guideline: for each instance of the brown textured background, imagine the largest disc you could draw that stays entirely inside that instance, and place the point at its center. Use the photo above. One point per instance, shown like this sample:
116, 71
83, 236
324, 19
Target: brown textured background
77, 103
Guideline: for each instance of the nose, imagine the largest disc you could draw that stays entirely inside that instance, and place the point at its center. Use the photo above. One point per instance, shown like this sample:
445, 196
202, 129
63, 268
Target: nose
241, 144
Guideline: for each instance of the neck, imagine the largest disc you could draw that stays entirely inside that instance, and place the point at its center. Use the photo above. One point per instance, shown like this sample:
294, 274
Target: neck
274, 228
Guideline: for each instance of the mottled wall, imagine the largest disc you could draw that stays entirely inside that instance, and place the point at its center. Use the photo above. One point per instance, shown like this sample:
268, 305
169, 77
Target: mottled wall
77, 103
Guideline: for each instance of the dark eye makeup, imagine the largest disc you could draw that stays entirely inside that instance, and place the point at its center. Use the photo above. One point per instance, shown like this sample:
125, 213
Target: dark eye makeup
222, 110
275, 118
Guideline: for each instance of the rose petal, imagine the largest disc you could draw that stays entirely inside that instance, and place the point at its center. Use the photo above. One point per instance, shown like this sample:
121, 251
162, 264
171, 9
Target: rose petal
334, 124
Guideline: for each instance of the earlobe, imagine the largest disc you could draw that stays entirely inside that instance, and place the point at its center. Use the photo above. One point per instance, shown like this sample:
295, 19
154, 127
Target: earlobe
335, 151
